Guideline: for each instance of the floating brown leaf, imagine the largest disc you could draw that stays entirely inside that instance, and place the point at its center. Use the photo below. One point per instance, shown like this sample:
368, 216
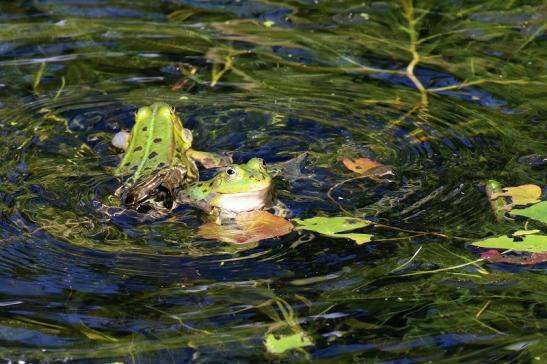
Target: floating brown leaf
249, 227
367, 167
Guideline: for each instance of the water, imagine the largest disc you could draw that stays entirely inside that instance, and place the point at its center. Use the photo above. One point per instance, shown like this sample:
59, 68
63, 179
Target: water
327, 78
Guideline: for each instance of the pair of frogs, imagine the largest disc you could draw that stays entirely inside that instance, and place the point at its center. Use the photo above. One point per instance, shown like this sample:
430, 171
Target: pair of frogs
160, 166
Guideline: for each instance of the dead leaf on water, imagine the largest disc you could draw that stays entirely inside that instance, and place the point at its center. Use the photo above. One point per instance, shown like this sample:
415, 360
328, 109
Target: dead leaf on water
249, 227
367, 167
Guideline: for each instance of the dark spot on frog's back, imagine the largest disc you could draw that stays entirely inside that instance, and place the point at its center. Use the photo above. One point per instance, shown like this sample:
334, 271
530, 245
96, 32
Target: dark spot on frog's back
145, 128
152, 155
351, 221
157, 140
138, 148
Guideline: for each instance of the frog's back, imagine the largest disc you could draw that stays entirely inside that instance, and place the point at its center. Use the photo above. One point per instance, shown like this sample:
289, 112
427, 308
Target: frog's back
156, 142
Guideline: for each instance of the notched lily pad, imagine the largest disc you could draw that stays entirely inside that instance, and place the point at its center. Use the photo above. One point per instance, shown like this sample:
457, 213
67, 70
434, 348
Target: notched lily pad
249, 227
529, 243
281, 343
333, 226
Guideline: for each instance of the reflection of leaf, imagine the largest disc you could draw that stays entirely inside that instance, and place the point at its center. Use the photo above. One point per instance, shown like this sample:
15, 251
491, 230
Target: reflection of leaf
366, 166
278, 345
249, 227
332, 226
529, 243
536, 212
521, 195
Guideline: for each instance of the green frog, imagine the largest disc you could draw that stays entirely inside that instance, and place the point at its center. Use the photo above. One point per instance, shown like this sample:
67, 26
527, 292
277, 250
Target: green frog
237, 188
158, 159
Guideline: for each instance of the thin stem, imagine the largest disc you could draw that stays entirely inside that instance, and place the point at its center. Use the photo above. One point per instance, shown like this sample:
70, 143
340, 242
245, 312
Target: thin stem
442, 269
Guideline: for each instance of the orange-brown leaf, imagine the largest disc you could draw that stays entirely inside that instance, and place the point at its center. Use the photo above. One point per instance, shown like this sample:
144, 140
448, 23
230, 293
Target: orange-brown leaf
367, 167
249, 227
361, 165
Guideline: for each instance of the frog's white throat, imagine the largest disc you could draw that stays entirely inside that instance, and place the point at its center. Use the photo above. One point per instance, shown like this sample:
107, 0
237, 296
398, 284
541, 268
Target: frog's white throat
244, 201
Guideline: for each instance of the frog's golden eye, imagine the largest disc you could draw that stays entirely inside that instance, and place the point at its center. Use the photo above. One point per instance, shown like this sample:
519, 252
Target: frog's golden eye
230, 171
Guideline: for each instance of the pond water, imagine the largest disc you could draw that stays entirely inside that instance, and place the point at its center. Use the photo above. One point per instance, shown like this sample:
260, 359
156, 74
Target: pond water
449, 94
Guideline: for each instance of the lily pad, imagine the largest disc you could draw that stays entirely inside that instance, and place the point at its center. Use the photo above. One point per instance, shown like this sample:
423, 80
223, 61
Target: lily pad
280, 344
528, 243
537, 212
249, 227
332, 226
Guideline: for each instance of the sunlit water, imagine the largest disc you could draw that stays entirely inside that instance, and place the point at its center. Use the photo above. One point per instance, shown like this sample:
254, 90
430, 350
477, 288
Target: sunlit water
327, 78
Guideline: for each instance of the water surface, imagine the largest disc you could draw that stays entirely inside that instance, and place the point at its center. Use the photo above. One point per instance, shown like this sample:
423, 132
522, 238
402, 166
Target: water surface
449, 94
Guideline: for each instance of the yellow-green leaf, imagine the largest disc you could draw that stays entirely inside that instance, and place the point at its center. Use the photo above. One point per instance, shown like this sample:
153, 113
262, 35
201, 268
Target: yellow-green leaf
537, 212
282, 343
332, 226
529, 243
523, 195
358, 238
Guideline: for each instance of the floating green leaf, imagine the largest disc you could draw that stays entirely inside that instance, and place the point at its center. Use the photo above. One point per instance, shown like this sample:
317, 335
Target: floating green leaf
537, 212
332, 226
529, 243
282, 343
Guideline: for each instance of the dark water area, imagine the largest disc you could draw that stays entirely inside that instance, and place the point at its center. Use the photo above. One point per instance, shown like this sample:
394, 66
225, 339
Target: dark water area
449, 94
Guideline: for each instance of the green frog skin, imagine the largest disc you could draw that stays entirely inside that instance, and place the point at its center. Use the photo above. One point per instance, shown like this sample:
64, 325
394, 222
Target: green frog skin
237, 188
158, 158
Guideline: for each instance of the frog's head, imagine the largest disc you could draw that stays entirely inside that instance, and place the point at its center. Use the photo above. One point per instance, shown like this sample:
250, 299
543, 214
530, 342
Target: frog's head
240, 178
238, 188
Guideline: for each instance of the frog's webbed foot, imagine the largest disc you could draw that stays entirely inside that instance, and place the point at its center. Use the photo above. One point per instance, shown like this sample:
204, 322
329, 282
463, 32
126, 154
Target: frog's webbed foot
290, 170
280, 209
121, 139
210, 160
155, 192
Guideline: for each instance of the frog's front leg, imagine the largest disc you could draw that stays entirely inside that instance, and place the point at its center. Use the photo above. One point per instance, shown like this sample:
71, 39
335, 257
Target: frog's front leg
121, 140
215, 216
209, 160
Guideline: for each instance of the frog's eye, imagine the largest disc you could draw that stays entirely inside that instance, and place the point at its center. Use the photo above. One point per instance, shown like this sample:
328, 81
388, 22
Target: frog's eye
230, 171
263, 163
